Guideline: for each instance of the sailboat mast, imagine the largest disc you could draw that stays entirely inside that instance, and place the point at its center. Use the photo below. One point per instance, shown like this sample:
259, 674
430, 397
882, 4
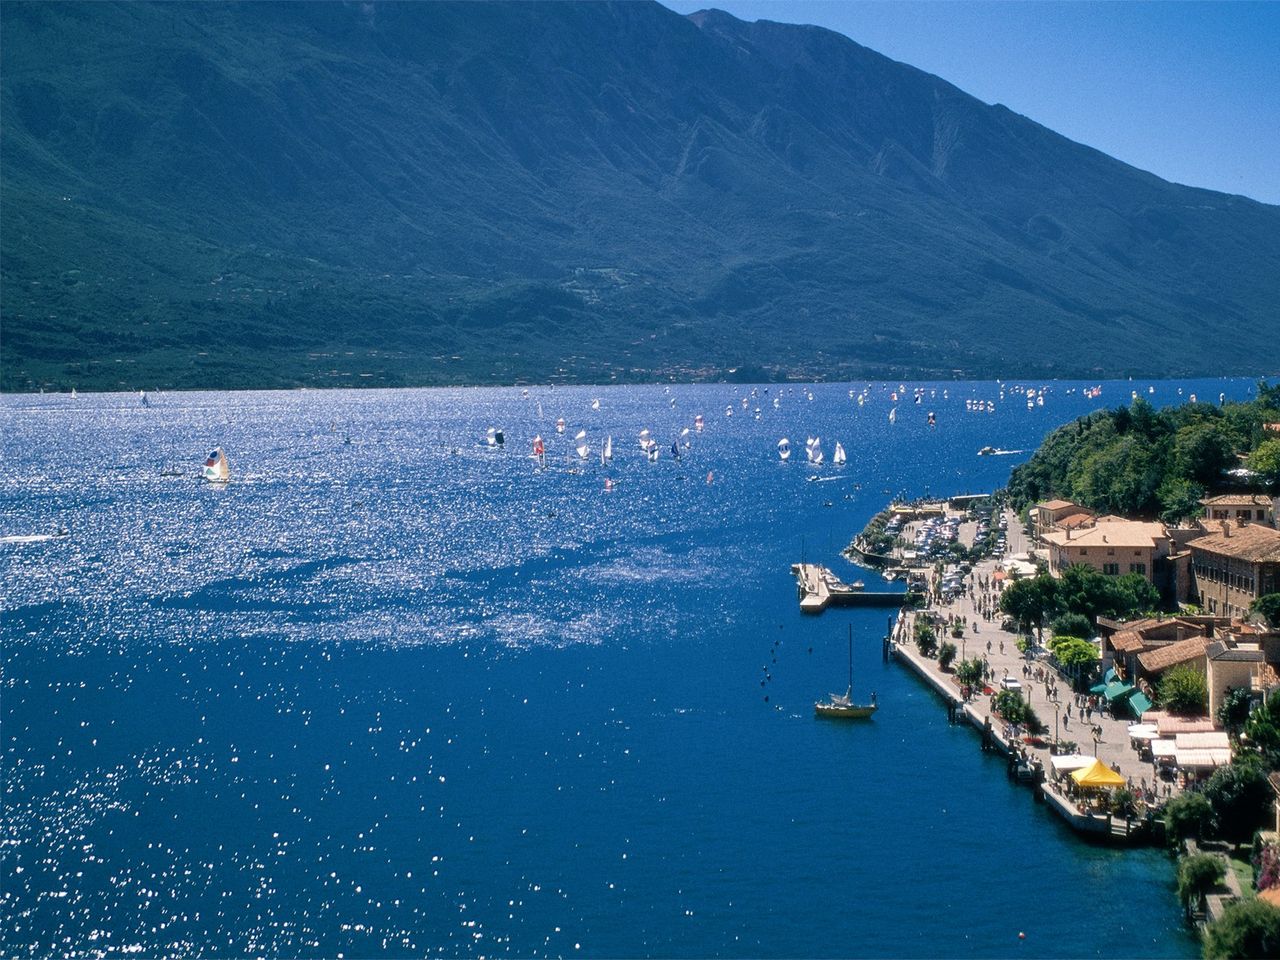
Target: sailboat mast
851, 656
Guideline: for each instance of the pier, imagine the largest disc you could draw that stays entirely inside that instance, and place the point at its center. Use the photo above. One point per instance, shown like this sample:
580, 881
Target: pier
818, 588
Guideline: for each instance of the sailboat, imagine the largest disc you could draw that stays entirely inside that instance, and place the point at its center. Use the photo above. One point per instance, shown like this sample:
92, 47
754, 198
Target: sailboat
560, 425
813, 450
595, 404
675, 449
784, 449
842, 707
838, 457
698, 423
606, 452
491, 437
215, 467
539, 452
581, 444
893, 415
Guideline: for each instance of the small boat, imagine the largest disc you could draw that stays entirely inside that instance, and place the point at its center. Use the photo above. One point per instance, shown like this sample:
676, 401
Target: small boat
606, 452
675, 449
539, 452
987, 452
784, 449
580, 442
698, 423
491, 437
841, 706
839, 456
215, 467
893, 415
560, 425
499, 436
933, 421
595, 404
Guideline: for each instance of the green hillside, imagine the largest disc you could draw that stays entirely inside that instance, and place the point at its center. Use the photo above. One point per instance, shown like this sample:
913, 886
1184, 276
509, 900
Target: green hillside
237, 195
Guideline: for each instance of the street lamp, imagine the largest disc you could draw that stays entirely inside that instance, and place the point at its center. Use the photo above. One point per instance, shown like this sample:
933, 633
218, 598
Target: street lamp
1056, 708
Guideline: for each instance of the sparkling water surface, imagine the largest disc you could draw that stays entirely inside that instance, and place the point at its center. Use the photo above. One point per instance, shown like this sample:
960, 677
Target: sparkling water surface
390, 692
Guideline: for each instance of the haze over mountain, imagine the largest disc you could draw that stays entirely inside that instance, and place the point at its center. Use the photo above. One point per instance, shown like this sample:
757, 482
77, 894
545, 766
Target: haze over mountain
234, 195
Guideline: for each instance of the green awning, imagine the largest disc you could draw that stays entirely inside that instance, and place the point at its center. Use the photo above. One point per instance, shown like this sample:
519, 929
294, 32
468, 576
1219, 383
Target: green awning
1099, 688
1139, 704
1118, 691
1110, 675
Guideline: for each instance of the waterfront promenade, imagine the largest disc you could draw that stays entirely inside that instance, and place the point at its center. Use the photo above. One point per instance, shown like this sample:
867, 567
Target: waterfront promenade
984, 638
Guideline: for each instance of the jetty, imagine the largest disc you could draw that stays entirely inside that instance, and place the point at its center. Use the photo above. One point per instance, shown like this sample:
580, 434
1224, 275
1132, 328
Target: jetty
819, 588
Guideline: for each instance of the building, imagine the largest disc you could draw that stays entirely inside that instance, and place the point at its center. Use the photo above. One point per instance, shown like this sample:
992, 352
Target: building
1051, 514
1234, 566
1241, 508
1231, 666
1190, 652
1111, 545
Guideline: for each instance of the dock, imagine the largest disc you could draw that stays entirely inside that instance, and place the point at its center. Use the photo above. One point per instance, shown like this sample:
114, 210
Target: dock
819, 588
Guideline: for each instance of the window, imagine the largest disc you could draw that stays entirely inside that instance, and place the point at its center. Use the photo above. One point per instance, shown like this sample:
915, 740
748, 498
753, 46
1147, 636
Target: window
1084, 552
1112, 569
1138, 568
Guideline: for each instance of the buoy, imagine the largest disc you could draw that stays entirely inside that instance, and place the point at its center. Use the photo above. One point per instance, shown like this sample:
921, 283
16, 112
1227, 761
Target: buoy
1021, 935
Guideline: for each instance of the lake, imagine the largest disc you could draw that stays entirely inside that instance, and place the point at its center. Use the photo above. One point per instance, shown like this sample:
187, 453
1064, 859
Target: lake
391, 692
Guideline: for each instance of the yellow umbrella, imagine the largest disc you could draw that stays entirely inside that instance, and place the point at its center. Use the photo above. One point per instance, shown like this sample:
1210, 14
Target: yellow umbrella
1098, 774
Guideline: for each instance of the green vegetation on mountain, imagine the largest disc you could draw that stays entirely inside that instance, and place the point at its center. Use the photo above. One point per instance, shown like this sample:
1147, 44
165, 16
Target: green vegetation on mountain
259, 194
1137, 461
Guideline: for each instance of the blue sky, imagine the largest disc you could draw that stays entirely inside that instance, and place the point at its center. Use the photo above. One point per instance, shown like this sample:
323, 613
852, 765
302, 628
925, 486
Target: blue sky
1188, 91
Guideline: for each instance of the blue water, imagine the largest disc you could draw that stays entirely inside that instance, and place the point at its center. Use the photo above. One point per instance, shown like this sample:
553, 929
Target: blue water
407, 695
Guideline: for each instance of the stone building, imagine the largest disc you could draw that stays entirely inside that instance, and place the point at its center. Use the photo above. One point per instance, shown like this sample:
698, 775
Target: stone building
1234, 566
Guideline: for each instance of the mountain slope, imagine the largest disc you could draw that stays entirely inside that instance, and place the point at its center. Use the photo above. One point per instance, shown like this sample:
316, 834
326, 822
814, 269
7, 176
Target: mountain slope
273, 195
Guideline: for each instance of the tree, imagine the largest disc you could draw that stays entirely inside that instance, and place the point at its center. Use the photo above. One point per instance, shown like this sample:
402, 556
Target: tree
1198, 873
1073, 651
1234, 709
1240, 798
1010, 705
1031, 601
1265, 460
1071, 625
969, 672
1267, 606
1246, 929
1187, 816
1202, 451
1262, 730
946, 654
1183, 691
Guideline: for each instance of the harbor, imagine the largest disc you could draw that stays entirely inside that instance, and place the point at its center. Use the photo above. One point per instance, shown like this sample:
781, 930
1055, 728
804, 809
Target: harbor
965, 609
819, 588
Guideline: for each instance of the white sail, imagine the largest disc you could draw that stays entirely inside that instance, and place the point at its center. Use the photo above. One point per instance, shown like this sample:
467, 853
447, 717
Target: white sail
583, 450
838, 456
215, 467
595, 404
606, 452
893, 415
645, 439
784, 449
698, 423
491, 437
560, 425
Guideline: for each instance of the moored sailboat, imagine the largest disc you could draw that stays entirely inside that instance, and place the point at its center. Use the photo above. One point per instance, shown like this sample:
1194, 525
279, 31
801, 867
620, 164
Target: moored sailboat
841, 706
839, 456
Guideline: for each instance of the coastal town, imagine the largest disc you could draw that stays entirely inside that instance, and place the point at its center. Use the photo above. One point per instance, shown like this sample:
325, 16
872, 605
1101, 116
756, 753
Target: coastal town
1103, 736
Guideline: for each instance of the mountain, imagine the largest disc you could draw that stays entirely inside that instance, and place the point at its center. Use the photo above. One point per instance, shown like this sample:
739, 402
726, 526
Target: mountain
254, 194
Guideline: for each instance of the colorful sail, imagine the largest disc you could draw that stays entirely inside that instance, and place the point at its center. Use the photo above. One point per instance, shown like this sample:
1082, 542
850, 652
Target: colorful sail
215, 467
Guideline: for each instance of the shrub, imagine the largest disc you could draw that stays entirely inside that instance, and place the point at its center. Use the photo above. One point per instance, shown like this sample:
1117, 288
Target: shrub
946, 654
1247, 928
1184, 691
926, 639
1123, 803
1198, 873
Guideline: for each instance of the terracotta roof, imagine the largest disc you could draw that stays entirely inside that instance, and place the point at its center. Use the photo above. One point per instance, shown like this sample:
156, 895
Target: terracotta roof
1252, 542
1055, 504
1238, 500
1127, 641
1075, 519
1111, 533
1153, 661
